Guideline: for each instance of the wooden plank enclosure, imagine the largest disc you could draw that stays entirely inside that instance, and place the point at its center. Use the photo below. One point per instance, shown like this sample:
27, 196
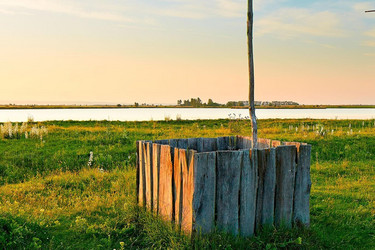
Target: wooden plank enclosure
203, 184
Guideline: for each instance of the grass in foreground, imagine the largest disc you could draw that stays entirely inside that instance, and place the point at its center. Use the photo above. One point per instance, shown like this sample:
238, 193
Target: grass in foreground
51, 199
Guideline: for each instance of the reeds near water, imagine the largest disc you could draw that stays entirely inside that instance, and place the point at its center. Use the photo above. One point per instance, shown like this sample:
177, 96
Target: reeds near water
15, 131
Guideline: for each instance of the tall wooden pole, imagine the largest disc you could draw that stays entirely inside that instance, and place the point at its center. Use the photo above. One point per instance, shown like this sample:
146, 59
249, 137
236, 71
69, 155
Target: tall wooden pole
250, 20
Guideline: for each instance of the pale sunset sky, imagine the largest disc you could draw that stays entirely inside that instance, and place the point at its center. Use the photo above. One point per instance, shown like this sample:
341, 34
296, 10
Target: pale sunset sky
159, 51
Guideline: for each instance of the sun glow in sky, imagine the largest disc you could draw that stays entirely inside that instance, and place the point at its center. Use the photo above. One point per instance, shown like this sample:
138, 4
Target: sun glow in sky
91, 51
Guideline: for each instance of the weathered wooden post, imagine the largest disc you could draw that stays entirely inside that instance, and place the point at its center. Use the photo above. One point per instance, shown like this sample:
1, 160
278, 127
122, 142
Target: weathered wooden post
250, 21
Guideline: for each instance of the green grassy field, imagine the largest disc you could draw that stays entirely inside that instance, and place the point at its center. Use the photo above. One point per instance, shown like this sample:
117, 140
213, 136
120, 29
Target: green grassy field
51, 197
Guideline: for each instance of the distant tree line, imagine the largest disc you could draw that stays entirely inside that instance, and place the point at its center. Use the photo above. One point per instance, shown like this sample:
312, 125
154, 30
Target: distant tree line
197, 103
237, 104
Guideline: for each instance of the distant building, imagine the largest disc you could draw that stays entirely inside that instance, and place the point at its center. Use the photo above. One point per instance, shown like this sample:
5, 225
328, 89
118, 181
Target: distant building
283, 103
262, 103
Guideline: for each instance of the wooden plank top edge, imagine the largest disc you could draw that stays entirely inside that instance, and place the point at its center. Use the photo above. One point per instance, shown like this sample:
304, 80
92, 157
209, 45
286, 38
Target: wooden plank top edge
156, 142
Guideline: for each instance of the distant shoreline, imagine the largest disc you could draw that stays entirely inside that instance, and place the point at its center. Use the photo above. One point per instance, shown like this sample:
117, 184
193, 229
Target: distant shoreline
176, 106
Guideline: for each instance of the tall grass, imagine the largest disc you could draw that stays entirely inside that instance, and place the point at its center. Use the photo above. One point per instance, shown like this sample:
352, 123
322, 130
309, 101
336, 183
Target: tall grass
10, 131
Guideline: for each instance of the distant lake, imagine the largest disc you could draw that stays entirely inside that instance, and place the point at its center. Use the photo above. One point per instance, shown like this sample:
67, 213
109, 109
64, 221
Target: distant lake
146, 114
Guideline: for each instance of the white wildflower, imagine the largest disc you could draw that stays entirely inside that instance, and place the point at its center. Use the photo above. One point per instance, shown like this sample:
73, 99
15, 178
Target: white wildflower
91, 159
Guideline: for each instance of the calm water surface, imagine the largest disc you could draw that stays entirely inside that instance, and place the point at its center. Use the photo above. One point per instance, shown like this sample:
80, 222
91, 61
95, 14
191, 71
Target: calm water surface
145, 114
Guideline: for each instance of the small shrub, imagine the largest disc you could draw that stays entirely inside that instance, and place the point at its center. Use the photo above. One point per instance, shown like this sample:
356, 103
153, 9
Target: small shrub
237, 124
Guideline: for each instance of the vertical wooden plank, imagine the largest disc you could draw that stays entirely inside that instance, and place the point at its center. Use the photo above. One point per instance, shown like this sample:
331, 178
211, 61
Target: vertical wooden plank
301, 210
275, 143
165, 183
297, 144
192, 144
206, 144
248, 192
209, 144
173, 143
182, 143
266, 187
285, 179
204, 192
232, 143
239, 142
261, 169
138, 169
147, 152
264, 143
269, 190
228, 185
162, 142
223, 143
177, 184
142, 181
244, 142
187, 192
156, 174
200, 145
